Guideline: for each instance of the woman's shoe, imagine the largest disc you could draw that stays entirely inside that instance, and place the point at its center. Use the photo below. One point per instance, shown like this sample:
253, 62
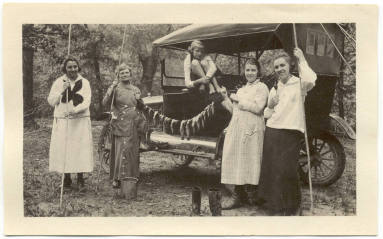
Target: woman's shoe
80, 182
234, 201
67, 180
252, 197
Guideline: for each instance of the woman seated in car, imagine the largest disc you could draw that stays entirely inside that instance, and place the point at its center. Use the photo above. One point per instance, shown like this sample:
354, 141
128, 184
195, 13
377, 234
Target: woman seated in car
199, 70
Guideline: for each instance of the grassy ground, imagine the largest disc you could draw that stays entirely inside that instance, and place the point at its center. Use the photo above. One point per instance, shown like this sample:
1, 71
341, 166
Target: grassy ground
163, 190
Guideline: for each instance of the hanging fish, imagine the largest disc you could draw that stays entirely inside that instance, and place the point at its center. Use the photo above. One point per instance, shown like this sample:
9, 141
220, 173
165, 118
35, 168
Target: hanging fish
193, 126
188, 129
196, 124
173, 125
182, 129
212, 109
208, 112
203, 116
156, 118
201, 121
167, 121
161, 118
151, 113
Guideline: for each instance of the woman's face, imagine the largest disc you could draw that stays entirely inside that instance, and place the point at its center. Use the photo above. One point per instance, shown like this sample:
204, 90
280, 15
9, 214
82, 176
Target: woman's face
125, 75
282, 68
198, 53
251, 72
71, 70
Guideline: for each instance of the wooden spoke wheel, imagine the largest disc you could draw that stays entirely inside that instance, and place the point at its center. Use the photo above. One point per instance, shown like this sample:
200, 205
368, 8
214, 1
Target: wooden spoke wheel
327, 160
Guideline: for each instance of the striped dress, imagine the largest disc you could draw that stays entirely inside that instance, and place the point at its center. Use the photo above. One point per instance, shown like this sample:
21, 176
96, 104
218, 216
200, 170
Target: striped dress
242, 150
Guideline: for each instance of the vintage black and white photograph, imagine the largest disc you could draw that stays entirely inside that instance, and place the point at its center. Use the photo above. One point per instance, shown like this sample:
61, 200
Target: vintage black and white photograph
194, 120
190, 119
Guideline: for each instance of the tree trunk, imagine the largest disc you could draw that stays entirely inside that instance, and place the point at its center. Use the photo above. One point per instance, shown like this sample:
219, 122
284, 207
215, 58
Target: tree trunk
29, 114
100, 92
149, 65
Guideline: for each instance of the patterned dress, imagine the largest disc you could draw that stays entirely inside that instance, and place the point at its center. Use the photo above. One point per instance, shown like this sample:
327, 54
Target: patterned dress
125, 123
242, 150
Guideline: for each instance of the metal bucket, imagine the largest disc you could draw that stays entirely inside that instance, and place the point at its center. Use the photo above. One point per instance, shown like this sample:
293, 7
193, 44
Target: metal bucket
129, 187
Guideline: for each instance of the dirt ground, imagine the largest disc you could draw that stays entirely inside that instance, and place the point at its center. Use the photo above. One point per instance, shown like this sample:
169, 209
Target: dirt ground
164, 189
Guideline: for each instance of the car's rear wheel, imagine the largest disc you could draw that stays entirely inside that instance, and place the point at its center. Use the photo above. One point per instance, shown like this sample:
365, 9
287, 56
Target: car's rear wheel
328, 160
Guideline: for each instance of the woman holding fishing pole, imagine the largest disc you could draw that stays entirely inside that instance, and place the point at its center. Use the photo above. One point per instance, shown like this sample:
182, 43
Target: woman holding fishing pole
71, 148
127, 124
279, 187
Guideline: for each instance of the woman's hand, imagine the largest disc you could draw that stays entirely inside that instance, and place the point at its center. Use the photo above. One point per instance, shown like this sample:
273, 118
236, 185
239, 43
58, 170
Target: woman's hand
115, 83
191, 85
112, 87
273, 101
234, 97
66, 85
223, 92
70, 113
203, 80
298, 53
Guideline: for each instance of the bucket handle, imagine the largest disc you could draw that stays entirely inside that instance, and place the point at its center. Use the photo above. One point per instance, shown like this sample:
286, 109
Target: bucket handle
136, 179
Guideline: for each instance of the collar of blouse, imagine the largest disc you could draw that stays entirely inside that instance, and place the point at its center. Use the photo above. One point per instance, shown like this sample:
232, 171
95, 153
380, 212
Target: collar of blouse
79, 77
253, 83
291, 81
126, 86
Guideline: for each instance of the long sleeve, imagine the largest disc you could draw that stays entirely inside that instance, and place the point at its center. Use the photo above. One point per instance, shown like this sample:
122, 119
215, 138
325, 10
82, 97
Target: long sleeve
273, 92
55, 93
307, 76
212, 68
86, 94
187, 71
258, 103
269, 111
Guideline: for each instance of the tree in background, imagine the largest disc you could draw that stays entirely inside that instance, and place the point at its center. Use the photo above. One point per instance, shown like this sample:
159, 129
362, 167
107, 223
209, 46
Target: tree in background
34, 38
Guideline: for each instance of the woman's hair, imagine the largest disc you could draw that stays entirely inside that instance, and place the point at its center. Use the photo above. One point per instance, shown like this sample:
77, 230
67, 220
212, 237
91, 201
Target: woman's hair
122, 67
65, 63
254, 62
287, 58
196, 44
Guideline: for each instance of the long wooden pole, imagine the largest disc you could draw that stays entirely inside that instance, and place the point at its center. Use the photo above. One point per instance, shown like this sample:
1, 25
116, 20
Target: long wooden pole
305, 126
67, 127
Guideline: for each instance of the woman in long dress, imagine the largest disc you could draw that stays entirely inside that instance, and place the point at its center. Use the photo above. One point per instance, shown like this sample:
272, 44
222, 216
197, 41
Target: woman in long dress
279, 186
242, 149
71, 148
127, 121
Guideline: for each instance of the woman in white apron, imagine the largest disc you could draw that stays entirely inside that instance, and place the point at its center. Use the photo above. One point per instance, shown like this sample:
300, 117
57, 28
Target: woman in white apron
71, 148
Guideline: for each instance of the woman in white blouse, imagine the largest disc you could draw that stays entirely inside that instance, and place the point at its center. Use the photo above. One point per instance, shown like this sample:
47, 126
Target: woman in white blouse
242, 149
71, 148
279, 188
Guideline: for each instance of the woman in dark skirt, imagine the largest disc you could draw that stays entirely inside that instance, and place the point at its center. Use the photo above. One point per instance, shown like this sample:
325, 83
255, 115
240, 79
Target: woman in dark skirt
279, 188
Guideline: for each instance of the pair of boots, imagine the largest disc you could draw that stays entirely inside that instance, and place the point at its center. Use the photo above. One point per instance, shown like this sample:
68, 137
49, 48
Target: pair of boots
240, 195
80, 181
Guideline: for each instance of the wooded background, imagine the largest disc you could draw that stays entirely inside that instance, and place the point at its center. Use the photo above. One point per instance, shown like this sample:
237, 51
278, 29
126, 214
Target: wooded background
98, 48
